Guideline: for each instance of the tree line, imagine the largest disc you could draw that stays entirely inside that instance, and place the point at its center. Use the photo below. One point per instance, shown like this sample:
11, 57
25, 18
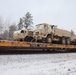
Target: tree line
7, 29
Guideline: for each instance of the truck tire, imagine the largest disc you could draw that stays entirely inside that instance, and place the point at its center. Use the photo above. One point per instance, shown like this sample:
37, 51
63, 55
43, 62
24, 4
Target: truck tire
68, 42
33, 40
28, 39
43, 40
49, 39
63, 41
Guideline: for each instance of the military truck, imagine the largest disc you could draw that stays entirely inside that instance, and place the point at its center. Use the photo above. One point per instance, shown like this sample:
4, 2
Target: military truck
23, 35
50, 33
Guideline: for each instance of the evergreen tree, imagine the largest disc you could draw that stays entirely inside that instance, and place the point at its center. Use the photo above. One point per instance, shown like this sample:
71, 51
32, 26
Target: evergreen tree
27, 20
20, 24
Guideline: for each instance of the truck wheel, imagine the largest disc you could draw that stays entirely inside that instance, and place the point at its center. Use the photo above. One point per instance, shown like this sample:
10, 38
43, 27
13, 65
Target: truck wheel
68, 41
28, 39
43, 40
21, 40
49, 39
33, 40
63, 41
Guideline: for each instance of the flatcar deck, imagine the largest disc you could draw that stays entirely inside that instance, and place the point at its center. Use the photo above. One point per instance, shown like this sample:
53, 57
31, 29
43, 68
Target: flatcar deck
5, 44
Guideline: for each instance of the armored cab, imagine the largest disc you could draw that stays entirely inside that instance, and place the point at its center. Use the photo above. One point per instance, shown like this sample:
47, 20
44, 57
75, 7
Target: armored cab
23, 35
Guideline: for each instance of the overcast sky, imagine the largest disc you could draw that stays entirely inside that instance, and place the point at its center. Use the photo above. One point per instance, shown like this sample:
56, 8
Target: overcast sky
59, 12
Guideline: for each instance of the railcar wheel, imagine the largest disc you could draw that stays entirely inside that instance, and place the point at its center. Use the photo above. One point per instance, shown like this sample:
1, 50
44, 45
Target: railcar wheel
28, 39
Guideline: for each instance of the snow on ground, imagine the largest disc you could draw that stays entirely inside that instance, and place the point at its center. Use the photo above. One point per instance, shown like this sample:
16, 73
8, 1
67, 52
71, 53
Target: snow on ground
38, 64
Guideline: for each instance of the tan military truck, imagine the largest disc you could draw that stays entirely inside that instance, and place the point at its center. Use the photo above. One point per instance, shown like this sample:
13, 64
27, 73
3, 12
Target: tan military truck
23, 35
50, 33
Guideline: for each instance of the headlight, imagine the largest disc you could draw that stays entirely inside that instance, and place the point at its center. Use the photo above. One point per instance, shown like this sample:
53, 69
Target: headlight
37, 33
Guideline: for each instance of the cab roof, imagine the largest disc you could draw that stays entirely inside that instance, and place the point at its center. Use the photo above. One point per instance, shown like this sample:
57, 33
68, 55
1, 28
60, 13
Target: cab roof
43, 24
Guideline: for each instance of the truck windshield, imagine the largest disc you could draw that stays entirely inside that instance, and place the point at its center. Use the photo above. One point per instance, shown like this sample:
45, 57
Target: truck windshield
39, 26
30, 28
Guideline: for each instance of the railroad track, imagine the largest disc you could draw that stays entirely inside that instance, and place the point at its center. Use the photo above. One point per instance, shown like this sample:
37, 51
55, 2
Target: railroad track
36, 51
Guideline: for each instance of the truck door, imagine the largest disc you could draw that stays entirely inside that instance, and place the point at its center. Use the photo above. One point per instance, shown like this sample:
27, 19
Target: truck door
52, 29
45, 29
22, 33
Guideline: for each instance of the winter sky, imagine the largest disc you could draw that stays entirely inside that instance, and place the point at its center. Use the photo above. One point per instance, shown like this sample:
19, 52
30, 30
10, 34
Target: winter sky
59, 12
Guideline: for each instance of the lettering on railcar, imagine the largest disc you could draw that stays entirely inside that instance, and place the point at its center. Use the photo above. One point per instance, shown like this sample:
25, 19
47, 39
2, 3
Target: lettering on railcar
37, 45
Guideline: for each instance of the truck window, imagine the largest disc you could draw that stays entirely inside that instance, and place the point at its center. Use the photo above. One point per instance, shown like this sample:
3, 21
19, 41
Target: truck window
40, 26
22, 31
52, 27
45, 27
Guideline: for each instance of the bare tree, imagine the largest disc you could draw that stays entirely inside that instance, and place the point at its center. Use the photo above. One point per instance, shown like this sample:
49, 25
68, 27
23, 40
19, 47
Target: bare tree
1, 25
7, 24
5, 35
12, 28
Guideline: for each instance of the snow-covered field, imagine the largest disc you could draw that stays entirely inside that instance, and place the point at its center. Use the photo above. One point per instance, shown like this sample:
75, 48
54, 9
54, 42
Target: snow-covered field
38, 64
